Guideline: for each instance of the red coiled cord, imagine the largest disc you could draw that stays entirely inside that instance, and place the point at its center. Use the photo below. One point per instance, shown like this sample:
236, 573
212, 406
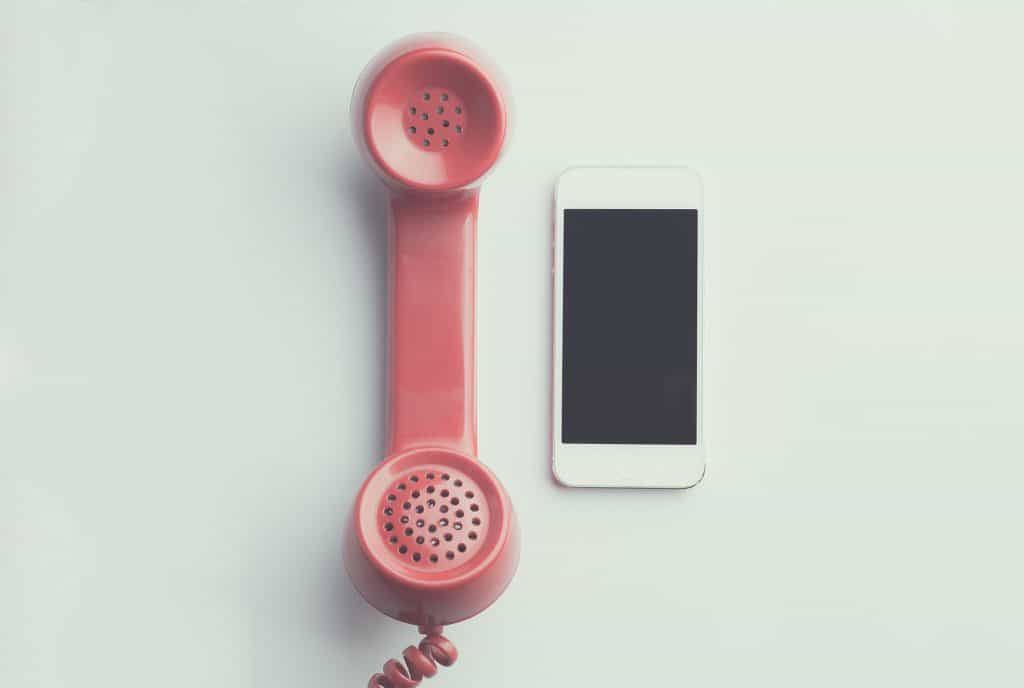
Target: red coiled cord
420, 662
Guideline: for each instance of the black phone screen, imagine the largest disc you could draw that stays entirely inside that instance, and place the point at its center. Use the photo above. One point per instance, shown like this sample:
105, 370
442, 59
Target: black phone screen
630, 326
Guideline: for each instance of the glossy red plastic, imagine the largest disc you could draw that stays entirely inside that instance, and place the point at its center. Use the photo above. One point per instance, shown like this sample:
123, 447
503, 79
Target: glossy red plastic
432, 538
431, 267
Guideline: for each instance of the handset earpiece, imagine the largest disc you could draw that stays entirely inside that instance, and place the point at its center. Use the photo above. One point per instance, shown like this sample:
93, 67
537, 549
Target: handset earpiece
430, 114
432, 538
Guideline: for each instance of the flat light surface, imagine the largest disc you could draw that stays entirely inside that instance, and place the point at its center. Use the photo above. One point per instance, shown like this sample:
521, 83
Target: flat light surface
191, 337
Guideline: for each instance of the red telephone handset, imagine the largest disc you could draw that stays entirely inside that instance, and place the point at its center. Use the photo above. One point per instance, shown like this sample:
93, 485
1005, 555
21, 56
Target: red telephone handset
432, 538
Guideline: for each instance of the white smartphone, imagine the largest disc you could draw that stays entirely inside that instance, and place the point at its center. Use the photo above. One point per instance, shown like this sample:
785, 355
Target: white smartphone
628, 315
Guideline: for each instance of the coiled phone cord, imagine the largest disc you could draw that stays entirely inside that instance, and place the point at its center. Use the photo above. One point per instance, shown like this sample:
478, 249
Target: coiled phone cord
420, 662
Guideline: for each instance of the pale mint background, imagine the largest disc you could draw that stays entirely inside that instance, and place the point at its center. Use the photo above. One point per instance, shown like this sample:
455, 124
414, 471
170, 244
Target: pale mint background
191, 332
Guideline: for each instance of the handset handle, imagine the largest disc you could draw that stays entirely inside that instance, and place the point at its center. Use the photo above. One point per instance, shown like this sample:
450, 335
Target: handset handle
432, 371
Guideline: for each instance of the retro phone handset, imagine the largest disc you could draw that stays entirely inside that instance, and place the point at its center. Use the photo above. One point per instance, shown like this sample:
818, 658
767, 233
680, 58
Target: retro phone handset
432, 538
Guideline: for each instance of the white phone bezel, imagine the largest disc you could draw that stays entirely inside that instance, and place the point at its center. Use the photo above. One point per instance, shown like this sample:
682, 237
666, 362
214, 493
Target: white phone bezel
625, 465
